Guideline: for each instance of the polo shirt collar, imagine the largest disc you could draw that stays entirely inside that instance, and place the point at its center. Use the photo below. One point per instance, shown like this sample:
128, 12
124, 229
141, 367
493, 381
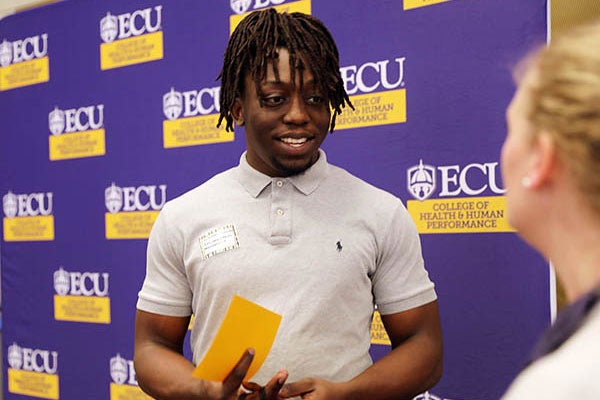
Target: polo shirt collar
309, 180
306, 182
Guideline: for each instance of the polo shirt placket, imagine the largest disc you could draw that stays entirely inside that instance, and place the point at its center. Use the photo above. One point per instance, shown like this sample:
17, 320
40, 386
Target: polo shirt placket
281, 211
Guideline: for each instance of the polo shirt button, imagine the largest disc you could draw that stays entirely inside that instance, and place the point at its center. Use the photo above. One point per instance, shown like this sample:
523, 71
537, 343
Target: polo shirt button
279, 183
279, 211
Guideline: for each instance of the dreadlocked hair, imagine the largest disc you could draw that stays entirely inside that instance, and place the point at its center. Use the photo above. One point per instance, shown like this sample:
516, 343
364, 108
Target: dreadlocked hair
254, 44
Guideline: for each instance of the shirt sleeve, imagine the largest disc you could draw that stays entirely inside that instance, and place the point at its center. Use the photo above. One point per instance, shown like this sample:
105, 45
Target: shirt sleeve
166, 289
400, 281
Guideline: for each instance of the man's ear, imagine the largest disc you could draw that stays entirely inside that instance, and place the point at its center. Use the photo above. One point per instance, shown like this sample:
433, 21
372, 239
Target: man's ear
237, 112
543, 160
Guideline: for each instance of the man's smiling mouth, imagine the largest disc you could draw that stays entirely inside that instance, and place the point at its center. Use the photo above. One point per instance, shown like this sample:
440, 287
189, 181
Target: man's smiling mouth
294, 142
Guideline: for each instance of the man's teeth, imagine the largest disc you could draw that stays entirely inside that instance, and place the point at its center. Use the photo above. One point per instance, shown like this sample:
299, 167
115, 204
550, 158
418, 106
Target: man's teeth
294, 142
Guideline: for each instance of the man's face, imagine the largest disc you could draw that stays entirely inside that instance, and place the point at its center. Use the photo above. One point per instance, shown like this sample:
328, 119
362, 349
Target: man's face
283, 135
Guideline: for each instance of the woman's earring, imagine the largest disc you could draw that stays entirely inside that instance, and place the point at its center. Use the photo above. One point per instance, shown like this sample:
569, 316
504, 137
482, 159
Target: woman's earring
526, 182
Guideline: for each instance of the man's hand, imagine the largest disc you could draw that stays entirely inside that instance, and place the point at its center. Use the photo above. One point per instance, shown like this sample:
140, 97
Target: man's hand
164, 373
231, 387
313, 389
270, 391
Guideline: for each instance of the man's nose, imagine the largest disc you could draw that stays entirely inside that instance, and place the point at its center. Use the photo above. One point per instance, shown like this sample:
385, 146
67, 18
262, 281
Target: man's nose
296, 112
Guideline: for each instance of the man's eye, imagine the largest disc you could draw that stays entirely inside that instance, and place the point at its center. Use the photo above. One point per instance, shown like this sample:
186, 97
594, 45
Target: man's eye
315, 100
273, 100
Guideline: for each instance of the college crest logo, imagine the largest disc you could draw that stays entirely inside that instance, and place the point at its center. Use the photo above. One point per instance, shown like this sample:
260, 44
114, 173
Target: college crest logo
113, 198
9, 205
61, 282
5, 53
56, 121
15, 356
108, 28
421, 180
428, 396
118, 369
172, 104
240, 6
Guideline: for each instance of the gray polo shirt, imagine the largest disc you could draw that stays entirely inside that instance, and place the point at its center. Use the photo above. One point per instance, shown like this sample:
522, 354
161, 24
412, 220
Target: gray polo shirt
320, 248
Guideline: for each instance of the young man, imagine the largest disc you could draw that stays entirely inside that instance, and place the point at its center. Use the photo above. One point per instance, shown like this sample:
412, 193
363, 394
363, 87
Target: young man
300, 237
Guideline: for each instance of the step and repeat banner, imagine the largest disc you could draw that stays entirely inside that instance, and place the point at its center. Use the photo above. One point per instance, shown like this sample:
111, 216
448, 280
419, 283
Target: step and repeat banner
108, 110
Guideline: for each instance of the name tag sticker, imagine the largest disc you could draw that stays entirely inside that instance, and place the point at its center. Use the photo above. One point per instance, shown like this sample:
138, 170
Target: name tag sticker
218, 240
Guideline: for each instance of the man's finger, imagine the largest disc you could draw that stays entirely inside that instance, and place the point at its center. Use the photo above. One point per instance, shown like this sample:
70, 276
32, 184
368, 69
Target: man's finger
251, 386
262, 395
298, 388
233, 381
271, 389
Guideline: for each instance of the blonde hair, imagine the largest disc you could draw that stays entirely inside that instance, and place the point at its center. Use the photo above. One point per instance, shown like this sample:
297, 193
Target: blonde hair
565, 102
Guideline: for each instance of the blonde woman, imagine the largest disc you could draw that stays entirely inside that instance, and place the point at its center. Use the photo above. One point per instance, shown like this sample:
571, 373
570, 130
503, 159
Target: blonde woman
551, 169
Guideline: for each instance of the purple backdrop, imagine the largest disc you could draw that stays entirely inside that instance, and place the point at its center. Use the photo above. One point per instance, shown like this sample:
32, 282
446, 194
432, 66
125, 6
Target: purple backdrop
436, 77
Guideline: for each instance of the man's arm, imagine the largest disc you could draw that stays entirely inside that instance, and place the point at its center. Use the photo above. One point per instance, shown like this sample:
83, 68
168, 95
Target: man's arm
413, 366
415, 362
161, 369
164, 373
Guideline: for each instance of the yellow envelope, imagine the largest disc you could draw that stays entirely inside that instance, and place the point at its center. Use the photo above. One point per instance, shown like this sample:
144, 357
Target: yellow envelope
245, 325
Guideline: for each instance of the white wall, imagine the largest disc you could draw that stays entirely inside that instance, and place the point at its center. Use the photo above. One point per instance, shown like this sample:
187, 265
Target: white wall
8, 7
